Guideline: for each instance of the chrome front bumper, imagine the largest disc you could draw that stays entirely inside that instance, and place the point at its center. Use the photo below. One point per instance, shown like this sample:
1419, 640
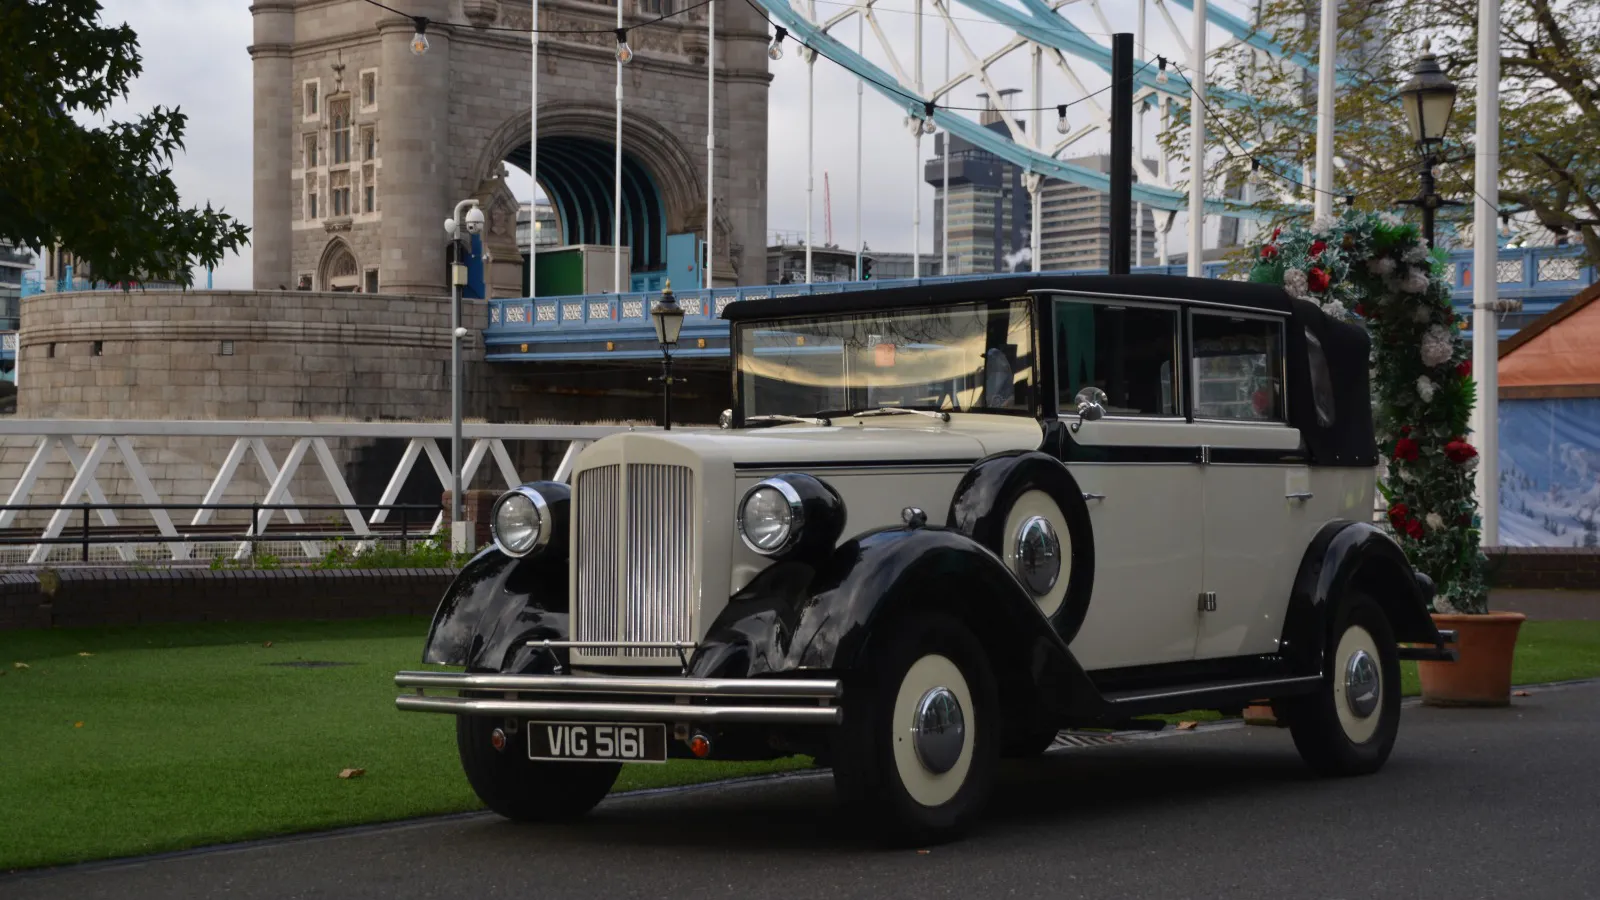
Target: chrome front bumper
776, 701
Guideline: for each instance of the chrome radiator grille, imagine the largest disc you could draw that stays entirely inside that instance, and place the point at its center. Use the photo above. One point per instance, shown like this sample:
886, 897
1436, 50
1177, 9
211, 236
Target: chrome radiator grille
650, 520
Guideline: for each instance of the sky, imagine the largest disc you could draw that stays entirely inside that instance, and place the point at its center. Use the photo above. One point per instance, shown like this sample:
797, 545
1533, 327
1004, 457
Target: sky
195, 58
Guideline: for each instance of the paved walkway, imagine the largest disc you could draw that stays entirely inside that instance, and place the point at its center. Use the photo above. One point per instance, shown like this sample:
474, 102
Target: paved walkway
1547, 605
1473, 804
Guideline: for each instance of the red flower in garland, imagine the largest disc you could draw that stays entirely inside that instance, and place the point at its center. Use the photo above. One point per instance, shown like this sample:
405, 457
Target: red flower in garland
1460, 451
1405, 430
1398, 514
1317, 247
1269, 251
1361, 310
1317, 280
1276, 232
1464, 368
1406, 449
1414, 528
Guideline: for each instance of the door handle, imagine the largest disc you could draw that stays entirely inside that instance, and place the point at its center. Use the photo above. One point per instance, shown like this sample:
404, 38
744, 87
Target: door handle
1299, 495
1088, 496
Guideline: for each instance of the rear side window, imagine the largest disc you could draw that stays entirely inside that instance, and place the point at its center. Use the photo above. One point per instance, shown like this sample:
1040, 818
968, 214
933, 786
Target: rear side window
1130, 352
1238, 368
1321, 380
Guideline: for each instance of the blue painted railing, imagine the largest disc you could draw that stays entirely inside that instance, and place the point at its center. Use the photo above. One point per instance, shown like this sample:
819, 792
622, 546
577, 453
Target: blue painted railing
35, 283
617, 326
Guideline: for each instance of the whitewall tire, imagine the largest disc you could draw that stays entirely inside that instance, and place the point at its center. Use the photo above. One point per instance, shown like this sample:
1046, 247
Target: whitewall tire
1032, 504
1348, 726
915, 757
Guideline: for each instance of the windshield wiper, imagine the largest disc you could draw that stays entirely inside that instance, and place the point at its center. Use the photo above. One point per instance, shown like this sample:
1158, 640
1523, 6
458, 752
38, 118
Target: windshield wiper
901, 411
782, 419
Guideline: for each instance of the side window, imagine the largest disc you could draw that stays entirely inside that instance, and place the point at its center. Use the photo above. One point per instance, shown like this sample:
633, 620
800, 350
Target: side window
1238, 368
1130, 352
1321, 380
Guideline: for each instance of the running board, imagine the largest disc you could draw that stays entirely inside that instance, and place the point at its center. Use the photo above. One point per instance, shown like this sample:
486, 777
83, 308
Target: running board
1209, 695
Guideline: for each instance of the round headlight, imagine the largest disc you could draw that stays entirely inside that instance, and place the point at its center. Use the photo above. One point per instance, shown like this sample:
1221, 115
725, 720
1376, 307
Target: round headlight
521, 522
771, 517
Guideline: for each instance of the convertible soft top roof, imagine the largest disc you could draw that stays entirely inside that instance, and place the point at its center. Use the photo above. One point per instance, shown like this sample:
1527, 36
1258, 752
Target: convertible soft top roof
1167, 287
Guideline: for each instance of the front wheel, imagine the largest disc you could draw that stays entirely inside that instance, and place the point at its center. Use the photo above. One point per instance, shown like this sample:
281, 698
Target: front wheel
524, 790
916, 755
1349, 725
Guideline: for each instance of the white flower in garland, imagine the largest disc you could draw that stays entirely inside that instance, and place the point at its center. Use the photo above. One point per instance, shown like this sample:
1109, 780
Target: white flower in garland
1426, 389
1435, 521
1381, 266
1436, 346
1324, 224
1406, 475
1422, 314
1336, 310
1294, 281
1416, 254
1415, 281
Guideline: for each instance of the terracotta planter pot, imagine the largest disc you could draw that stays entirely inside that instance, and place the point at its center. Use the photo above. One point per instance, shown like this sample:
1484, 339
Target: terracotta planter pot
1482, 674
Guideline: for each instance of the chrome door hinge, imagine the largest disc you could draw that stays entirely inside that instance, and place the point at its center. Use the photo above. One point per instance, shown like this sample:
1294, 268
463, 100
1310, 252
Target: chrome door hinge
1208, 601
1205, 455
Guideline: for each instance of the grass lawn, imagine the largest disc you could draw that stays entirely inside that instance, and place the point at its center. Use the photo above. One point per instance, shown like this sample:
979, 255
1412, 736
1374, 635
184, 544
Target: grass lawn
172, 736
122, 741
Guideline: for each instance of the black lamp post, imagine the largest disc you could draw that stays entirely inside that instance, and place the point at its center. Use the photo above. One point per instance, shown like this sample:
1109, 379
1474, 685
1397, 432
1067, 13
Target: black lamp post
667, 316
1428, 98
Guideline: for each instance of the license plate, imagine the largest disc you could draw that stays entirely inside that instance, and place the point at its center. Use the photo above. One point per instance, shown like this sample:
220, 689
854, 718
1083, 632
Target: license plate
597, 742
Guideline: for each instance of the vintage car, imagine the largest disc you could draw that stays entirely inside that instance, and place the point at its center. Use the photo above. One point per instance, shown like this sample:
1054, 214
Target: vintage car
938, 525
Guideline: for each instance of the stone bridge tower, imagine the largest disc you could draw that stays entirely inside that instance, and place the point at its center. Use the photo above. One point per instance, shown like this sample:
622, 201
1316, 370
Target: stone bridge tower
362, 147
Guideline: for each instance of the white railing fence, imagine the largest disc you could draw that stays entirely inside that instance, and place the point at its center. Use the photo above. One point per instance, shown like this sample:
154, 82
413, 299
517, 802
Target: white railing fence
86, 447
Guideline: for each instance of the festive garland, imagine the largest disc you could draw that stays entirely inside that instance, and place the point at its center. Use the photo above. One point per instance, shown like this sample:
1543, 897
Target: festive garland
1376, 271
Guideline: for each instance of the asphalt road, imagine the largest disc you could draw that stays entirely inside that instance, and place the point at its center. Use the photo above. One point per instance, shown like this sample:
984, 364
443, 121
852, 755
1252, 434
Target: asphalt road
1487, 803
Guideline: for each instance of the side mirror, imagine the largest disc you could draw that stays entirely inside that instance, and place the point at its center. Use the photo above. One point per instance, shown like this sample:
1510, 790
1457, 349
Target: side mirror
1091, 403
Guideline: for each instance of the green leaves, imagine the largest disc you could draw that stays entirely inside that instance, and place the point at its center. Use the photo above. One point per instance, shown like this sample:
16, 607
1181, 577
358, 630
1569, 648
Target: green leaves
105, 193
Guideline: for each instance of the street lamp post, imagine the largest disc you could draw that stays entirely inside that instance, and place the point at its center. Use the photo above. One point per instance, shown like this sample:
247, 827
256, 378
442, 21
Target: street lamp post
469, 217
667, 316
1428, 98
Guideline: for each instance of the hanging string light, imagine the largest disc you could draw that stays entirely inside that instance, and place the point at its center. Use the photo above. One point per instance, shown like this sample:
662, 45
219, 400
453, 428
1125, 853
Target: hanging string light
1161, 70
419, 41
624, 52
1062, 126
928, 126
775, 49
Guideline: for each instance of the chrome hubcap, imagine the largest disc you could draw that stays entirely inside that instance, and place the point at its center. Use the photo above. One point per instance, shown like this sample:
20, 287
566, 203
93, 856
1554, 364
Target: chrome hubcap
1037, 559
939, 730
1361, 684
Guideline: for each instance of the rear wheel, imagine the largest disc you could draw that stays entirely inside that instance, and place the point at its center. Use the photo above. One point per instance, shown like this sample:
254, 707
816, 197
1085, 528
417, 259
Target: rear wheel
1348, 726
916, 756
524, 790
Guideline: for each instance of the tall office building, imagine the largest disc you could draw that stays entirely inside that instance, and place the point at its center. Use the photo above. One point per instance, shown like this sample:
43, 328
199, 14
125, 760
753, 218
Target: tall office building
1077, 224
988, 205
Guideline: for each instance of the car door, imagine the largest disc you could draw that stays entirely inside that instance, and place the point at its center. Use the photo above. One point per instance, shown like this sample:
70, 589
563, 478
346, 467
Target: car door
1258, 497
1139, 471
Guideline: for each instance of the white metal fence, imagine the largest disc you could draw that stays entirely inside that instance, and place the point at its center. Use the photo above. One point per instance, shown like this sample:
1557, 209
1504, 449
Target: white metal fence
91, 448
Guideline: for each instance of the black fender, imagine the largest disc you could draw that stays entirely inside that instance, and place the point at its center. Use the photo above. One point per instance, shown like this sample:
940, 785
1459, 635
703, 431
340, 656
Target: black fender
796, 617
984, 498
497, 603
1353, 556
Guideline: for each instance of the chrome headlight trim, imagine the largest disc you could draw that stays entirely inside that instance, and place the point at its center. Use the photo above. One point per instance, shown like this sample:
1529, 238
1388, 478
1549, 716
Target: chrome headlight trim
542, 519
797, 516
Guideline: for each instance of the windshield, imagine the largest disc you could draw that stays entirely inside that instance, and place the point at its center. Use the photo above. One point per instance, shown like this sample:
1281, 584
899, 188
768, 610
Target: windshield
957, 358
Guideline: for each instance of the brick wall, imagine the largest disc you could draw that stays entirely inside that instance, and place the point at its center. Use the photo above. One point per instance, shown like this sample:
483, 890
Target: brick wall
68, 598
1564, 568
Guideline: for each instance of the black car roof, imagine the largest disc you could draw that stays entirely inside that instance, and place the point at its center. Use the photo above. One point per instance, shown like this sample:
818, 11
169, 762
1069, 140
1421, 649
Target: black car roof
1270, 298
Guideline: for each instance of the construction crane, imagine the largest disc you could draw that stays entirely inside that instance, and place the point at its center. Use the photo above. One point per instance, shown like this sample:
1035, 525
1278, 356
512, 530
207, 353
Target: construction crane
827, 212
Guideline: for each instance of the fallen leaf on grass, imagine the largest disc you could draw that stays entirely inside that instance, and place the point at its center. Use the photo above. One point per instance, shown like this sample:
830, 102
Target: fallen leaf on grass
267, 644
1519, 693
77, 724
85, 653
19, 665
1187, 726
352, 773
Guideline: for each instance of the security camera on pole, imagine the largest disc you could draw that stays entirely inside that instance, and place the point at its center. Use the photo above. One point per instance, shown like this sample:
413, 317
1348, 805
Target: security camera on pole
472, 221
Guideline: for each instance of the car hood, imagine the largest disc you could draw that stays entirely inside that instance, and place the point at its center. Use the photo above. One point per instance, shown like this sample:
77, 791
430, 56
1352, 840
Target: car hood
909, 439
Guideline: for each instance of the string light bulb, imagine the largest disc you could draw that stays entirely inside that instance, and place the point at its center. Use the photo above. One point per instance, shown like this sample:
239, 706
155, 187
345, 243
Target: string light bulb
1062, 127
419, 41
775, 49
1161, 70
624, 52
928, 126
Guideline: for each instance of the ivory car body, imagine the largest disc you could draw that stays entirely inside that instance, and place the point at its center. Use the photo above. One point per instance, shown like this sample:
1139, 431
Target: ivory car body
938, 525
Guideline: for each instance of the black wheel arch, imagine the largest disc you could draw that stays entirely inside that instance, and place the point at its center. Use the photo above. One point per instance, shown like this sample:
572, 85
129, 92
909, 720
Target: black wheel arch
1347, 558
